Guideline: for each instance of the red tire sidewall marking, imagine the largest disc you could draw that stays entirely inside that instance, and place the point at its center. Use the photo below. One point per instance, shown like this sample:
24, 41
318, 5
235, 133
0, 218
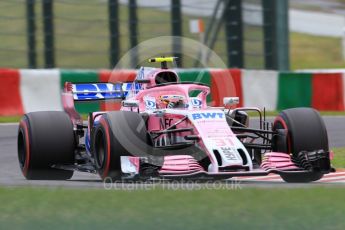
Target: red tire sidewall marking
281, 120
107, 136
24, 125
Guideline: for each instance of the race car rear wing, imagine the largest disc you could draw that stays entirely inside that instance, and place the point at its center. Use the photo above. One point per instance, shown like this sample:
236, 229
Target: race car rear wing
99, 91
84, 92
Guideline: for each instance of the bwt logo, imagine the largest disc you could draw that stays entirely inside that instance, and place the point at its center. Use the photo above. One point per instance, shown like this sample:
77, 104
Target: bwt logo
197, 116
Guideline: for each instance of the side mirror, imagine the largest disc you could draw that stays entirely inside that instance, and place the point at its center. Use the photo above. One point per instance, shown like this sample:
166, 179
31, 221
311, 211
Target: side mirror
231, 100
130, 103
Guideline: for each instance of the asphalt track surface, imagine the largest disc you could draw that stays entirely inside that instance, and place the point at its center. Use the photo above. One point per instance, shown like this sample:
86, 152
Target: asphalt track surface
10, 174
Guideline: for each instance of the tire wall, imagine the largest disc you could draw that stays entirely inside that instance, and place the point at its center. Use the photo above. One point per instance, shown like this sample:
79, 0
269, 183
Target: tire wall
28, 90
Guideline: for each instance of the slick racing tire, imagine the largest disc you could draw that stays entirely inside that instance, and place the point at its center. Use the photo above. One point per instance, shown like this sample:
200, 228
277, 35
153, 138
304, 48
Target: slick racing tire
45, 139
120, 133
305, 131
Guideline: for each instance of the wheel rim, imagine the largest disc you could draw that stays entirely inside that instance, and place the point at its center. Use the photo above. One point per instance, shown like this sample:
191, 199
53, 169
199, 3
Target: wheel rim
21, 149
100, 149
280, 123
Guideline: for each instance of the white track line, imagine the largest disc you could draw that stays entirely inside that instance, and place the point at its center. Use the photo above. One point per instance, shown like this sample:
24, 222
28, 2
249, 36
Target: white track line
336, 174
339, 178
331, 177
8, 124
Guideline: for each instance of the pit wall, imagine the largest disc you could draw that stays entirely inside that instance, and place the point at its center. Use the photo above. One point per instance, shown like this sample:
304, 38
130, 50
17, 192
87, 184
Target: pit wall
27, 90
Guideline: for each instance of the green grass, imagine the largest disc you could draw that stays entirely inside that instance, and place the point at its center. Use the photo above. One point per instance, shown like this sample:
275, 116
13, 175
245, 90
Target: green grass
12, 119
308, 52
9, 119
332, 113
247, 208
339, 157
83, 27
275, 113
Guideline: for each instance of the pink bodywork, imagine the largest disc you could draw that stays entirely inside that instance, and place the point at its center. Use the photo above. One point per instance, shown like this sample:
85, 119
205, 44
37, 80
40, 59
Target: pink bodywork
276, 160
68, 104
180, 164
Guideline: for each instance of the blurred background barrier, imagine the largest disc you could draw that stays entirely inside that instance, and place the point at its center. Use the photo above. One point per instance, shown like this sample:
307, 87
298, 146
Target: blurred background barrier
97, 33
27, 90
94, 34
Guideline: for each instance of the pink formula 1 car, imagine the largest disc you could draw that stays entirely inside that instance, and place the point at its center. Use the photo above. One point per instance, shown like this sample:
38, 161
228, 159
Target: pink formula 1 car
165, 129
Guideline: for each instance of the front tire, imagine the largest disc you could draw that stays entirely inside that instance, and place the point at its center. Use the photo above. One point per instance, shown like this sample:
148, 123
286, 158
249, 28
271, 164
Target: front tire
45, 139
306, 131
120, 133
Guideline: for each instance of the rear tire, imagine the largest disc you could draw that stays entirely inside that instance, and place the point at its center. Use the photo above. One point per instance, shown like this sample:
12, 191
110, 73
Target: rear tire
120, 133
306, 131
45, 139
